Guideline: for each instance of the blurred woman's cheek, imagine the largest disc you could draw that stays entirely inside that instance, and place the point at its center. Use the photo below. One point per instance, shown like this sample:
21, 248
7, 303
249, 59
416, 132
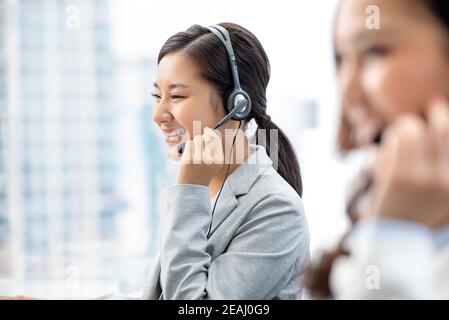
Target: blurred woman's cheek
379, 88
388, 89
409, 86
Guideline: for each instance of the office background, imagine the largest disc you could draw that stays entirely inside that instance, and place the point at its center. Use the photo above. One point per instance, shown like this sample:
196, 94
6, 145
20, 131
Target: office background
81, 163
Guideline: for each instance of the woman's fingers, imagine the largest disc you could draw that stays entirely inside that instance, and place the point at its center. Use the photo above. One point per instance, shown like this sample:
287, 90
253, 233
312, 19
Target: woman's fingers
411, 172
438, 139
205, 148
206, 154
385, 159
409, 151
401, 153
214, 150
411, 139
198, 145
398, 159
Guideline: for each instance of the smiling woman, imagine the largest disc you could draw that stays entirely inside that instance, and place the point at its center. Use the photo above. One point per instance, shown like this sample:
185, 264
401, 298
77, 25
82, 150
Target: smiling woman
180, 91
394, 87
258, 230
379, 71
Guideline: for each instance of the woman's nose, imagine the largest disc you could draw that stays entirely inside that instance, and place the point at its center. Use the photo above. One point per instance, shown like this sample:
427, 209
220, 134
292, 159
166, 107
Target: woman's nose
161, 114
351, 89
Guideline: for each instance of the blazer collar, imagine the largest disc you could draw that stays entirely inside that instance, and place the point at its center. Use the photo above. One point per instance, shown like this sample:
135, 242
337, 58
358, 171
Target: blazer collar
243, 178
240, 182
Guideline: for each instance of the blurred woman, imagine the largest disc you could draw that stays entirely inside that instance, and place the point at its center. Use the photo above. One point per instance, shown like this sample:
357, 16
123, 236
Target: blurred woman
394, 85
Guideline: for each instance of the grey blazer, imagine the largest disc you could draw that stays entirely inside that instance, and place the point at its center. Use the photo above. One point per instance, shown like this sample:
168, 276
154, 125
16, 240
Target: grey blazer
258, 244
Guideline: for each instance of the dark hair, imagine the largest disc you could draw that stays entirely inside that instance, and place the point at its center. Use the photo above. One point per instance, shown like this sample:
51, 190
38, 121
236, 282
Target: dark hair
209, 54
317, 273
440, 8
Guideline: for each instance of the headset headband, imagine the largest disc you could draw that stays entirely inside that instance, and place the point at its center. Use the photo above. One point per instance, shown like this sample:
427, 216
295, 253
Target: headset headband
223, 35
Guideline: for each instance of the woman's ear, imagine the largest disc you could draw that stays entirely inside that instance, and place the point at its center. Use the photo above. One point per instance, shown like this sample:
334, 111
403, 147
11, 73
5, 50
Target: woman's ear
218, 103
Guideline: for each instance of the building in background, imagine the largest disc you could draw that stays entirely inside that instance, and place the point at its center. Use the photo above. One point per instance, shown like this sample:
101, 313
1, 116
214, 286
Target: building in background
4, 221
71, 197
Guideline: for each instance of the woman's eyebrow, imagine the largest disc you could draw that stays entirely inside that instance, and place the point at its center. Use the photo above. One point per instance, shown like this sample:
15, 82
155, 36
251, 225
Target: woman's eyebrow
173, 85
178, 85
368, 34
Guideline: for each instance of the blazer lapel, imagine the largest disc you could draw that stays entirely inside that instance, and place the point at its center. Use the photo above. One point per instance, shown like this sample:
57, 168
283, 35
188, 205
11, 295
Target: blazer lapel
225, 204
239, 183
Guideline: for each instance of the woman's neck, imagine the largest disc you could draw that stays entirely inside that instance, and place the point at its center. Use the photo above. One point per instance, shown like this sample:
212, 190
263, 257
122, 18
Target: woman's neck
239, 155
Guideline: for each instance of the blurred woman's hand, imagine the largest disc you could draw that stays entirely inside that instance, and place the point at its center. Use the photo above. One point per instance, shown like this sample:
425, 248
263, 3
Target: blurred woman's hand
202, 159
411, 170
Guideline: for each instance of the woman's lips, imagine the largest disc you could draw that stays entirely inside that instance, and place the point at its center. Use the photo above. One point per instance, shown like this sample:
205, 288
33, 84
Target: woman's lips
367, 129
174, 136
378, 137
368, 134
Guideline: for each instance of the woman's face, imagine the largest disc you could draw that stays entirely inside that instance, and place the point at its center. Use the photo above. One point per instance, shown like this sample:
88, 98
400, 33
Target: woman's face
182, 98
396, 69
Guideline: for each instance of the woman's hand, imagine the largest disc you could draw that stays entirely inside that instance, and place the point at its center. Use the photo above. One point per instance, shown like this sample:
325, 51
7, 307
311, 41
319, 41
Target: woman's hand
201, 160
411, 171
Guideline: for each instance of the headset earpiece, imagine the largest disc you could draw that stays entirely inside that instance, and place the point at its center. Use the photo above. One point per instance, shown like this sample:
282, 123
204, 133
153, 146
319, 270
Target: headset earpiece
239, 103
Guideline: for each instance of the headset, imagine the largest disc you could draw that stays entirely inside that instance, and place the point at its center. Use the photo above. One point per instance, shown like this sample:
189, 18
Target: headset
237, 102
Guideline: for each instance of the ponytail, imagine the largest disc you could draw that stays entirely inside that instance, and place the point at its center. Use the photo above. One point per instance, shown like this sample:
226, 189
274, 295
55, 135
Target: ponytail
288, 165
317, 274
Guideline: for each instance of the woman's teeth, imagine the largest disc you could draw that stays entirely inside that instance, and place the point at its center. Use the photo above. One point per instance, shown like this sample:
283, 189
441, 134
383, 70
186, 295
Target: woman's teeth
175, 134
